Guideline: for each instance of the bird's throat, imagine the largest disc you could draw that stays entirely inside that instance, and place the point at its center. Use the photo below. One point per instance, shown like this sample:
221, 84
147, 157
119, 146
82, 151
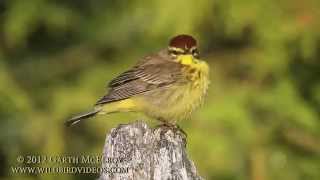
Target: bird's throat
186, 60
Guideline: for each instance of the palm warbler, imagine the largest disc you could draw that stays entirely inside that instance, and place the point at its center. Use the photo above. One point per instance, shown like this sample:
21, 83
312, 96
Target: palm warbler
167, 85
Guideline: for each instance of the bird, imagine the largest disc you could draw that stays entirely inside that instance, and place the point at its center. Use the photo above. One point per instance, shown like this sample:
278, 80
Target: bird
167, 86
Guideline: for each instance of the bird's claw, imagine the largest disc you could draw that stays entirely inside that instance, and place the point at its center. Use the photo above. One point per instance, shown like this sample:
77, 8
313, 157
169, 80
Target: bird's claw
175, 128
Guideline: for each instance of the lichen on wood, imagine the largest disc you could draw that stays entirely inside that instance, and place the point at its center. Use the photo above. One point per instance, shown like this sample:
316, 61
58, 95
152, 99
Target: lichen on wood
135, 151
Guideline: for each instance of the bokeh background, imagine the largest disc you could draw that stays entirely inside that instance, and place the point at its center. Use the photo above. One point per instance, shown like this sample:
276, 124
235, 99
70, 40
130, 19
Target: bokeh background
261, 118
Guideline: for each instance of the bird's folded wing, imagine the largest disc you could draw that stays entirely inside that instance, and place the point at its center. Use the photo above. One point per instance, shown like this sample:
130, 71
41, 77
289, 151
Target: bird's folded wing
141, 79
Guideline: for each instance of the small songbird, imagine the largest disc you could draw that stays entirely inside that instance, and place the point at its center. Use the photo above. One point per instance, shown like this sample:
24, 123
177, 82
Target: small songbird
167, 85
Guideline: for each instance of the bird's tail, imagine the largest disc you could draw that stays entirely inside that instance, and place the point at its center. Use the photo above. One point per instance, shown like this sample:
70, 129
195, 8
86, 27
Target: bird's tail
81, 117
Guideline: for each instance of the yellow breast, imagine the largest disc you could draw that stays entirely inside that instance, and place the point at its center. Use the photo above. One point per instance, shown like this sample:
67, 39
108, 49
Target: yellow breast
178, 101
197, 73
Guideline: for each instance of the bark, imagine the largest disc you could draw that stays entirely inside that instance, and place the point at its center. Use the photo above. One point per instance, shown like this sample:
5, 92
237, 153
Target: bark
135, 151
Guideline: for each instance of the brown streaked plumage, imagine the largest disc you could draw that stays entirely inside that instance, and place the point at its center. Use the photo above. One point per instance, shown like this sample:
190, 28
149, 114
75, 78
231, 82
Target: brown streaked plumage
167, 85
152, 72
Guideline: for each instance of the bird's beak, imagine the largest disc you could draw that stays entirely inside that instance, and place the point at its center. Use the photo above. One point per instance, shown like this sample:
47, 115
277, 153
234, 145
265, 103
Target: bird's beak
186, 59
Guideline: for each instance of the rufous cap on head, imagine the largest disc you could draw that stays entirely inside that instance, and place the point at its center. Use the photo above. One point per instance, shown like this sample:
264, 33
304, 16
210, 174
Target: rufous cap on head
183, 41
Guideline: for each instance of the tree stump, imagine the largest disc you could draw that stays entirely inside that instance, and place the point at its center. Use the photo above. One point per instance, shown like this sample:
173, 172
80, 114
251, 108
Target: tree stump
136, 152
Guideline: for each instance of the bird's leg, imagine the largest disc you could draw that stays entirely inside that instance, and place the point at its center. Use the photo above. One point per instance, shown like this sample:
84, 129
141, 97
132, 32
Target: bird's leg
181, 130
163, 120
174, 127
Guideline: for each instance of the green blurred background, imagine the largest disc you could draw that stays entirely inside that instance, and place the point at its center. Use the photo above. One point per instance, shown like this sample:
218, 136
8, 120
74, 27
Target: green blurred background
261, 118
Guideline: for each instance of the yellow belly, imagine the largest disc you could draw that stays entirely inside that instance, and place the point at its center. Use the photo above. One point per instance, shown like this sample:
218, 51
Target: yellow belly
171, 103
178, 101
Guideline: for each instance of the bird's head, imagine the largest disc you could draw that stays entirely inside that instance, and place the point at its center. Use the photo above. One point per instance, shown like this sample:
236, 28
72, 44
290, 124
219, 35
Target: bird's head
183, 48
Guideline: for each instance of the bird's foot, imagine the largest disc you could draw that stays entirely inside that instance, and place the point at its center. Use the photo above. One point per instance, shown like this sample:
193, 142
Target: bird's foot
174, 127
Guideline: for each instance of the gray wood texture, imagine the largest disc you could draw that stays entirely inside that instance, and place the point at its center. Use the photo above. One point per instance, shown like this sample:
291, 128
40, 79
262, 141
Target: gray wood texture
136, 152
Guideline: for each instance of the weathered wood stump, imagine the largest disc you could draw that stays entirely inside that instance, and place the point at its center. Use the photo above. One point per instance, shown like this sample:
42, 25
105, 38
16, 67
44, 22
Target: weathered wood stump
137, 152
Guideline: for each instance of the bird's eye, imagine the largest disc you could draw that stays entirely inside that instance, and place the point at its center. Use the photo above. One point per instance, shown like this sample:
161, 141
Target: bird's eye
195, 53
174, 53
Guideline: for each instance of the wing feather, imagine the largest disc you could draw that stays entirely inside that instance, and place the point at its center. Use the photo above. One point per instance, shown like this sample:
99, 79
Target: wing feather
122, 78
140, 79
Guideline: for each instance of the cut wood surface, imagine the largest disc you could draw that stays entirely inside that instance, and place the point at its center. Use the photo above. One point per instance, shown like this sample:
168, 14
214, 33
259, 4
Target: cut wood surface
136, 152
